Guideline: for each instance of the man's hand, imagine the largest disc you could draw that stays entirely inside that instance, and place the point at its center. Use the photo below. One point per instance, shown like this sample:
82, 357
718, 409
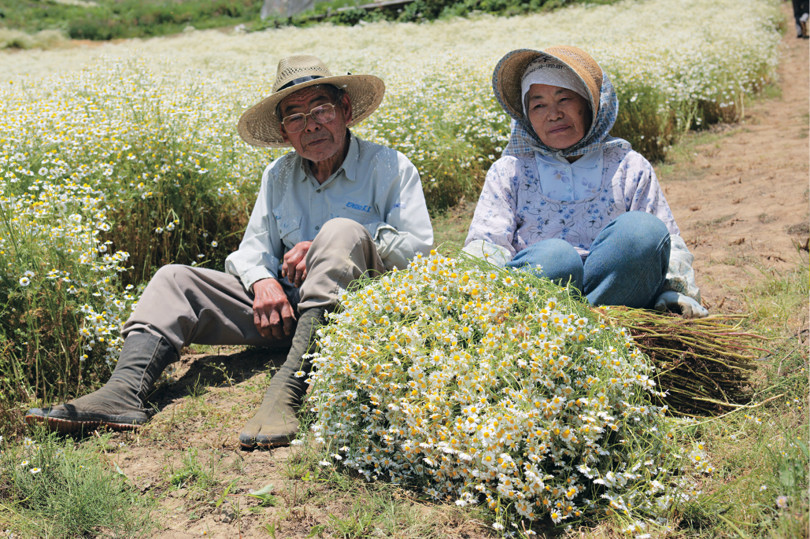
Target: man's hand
273, 315
294, 266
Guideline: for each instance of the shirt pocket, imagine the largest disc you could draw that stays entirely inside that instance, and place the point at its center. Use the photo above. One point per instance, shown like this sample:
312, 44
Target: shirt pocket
360, 211
289, 229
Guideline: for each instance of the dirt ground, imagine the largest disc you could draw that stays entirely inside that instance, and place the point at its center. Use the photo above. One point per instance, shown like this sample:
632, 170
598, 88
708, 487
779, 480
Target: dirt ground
741, 200
740, 196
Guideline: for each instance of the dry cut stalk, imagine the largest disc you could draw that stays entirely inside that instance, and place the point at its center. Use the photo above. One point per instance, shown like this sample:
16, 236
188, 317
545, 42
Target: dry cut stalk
703, 364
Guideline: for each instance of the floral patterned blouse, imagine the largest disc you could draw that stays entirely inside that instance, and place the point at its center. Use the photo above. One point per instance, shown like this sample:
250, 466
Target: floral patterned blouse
530, 198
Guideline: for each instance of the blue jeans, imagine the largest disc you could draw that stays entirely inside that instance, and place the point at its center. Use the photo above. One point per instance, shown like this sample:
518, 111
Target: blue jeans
627, 264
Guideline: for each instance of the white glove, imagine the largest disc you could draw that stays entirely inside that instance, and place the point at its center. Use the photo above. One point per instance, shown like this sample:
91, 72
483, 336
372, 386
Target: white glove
496, 255
677, 302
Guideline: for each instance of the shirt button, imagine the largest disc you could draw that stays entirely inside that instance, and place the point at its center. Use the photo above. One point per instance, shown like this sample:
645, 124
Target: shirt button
317, 228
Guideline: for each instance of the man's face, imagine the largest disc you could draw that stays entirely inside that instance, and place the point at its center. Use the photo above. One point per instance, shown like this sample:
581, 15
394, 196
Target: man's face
317, 142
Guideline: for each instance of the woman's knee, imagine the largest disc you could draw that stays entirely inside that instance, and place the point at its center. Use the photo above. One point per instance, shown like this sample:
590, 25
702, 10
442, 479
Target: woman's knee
642, 221
638, 232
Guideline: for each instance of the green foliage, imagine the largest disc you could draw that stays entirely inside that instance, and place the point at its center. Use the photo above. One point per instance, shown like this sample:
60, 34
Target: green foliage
72, 259
647, 120
51, 488
55, 269
117, 19
110, 19
342, 12
182, 214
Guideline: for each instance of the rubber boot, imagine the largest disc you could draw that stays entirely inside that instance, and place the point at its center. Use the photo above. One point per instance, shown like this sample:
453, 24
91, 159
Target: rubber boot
275, 423
119, 404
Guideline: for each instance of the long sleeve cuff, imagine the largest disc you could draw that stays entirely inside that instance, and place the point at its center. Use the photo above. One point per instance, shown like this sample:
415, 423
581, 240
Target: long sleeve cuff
396, 248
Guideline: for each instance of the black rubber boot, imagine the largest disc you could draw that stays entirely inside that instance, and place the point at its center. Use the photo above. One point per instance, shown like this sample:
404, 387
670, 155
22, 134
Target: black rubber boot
119, 404
275, 423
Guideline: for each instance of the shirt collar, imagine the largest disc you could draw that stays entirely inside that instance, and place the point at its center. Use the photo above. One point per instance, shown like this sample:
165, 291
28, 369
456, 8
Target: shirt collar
349, 165
588, 161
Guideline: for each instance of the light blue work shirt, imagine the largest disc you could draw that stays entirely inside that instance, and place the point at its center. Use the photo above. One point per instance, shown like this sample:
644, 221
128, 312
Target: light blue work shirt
376, 186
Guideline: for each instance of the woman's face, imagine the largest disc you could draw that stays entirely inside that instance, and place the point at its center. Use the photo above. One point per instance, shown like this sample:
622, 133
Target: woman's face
560, 117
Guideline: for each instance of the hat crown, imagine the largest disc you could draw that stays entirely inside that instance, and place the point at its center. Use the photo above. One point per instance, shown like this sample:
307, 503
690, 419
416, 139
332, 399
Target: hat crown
260, 124
508, 74
581, 62
297, 67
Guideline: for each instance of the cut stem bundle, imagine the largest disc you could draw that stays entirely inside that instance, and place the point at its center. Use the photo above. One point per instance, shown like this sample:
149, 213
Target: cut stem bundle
703, 364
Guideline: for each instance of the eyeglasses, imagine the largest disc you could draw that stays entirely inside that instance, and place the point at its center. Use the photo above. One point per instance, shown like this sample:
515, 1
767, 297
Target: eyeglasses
322, 114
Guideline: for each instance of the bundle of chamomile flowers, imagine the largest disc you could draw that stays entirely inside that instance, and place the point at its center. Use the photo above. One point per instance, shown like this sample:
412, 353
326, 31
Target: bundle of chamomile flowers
480, 385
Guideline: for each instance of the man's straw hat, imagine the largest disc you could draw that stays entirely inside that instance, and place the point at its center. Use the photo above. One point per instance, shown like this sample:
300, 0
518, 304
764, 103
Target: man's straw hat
260, 126
509, 72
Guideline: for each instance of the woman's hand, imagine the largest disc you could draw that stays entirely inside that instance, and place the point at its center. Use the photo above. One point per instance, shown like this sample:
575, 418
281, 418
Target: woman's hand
677, 302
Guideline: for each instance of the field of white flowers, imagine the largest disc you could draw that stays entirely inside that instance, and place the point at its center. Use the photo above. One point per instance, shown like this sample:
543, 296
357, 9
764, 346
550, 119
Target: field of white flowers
118, 157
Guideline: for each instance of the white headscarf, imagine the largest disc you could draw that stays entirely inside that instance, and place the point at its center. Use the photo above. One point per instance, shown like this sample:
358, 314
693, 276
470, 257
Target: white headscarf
547, 71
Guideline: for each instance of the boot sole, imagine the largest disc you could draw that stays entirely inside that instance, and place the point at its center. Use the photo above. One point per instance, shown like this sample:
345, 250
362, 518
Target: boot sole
249, 446
67, 426
253, 447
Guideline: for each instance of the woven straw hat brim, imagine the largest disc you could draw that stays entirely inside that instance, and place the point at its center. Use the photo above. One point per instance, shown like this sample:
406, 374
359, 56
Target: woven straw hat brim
509, 71
259, 125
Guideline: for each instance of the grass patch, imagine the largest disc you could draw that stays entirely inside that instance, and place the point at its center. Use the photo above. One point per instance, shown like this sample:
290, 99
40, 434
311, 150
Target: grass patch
50, 487
450, 226
780, 299
357, 508
194, 473
44, 39
759, 487
202, 481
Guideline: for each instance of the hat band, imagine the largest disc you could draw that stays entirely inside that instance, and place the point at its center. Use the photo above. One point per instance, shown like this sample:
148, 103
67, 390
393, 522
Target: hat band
300, 81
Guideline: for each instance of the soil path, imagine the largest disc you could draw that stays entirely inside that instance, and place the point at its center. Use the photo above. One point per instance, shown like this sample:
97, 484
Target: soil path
741, 200
740, 196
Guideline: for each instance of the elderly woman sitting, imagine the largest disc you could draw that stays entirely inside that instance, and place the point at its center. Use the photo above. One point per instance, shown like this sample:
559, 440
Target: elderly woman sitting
570, 200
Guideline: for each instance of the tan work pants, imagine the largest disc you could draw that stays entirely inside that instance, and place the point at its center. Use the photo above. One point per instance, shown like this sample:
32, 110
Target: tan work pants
188, 305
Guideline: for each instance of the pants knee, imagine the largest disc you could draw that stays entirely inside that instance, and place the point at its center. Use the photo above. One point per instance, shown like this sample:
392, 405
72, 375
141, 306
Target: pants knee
170, 273
341, 232
641, 232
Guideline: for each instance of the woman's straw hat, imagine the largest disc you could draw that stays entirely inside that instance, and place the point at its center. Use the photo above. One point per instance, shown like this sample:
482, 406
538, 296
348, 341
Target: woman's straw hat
260, 126
509, 72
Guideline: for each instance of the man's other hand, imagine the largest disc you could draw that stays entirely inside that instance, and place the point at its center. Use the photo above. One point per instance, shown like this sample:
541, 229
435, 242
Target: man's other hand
294, 266
273, 315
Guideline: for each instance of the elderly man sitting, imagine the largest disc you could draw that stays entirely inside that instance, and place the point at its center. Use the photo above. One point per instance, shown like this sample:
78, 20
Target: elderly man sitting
334, 210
